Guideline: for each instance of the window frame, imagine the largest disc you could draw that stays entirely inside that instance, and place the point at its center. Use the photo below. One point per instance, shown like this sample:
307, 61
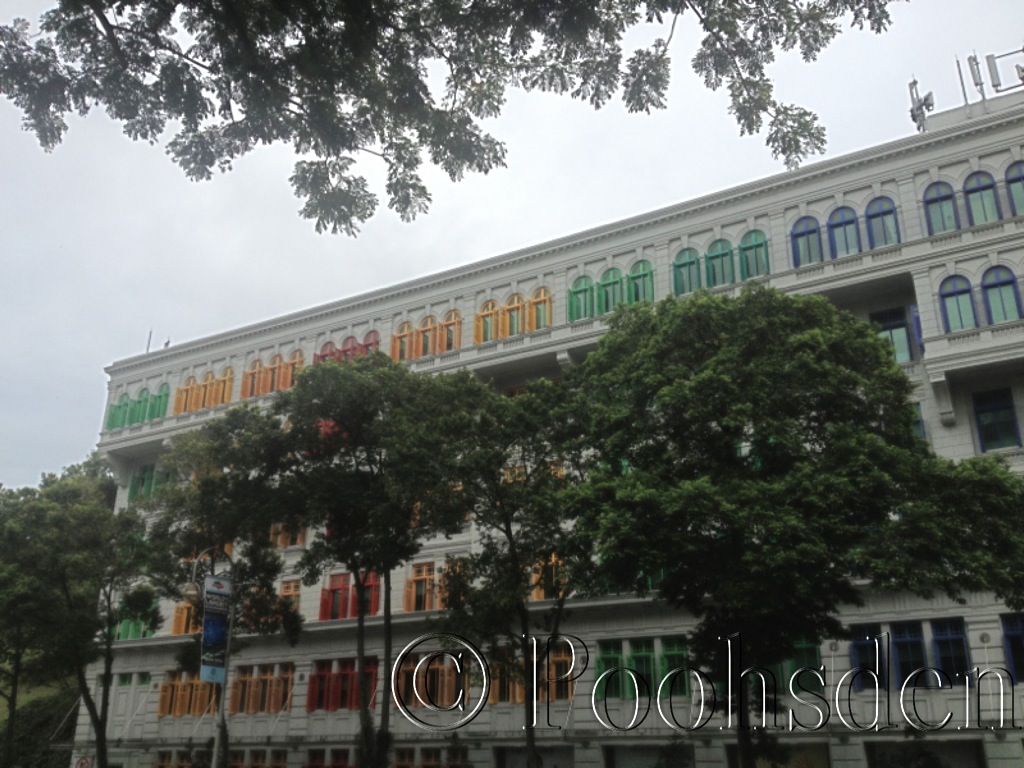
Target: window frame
841, 220
718, 259
686, 272
485, 324
980, 189
640, 283
609, 290
1014, 179
939, 197
996, 401
581, 299
996, 280
805, 238
753, 249
878, 212
952, 294
538, 312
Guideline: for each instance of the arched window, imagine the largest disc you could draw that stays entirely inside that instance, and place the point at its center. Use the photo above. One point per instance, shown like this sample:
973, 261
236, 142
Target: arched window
982, 203
185, 396
207, 390
158, 404
581, 299
640, 283
1002, 301
940, 208
218, 390
539, 315
273, 372
883, 226
371, 342
426, 338
327, 352
401, 343
686, 272
118, 413
957, 306
843, 235
485, 325
139, 407
512, 316
806, 236
451, 332
251, 379
292, 367
718, 264
753, 254
609, 290
1015, 187
350, 349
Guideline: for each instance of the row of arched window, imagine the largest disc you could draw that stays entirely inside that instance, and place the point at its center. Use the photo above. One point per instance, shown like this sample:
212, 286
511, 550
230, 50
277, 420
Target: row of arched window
999, 294
349, 349
981, 200
691, 271
279, 374
843, 230
208, 393
518, 315
429, 338
143, 407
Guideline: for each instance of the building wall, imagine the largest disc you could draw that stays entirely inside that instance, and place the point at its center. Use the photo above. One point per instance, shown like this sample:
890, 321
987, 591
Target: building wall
949, 365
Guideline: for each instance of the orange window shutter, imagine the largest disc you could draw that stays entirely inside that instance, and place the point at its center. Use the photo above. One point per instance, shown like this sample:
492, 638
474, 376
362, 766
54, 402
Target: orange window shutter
478, 329
182, 698
409, 597
284, 380
166, 704
274, 700
180, 396
180, 616
235, 700
200, 697
531, 315
252, 703
503, 324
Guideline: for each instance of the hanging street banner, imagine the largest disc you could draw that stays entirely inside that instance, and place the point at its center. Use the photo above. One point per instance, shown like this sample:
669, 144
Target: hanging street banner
216, 604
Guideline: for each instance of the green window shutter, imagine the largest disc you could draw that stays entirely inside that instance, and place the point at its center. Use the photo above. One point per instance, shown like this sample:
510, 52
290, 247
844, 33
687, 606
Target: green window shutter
642, 661
609, 657
134, 486
674, 656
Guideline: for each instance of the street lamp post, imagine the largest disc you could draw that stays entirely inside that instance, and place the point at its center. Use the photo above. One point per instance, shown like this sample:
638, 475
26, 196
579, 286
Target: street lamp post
195, 596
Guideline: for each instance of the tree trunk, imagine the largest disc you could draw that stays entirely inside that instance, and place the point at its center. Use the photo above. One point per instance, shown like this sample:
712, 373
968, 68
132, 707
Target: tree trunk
532, 692
12, 709
384, 734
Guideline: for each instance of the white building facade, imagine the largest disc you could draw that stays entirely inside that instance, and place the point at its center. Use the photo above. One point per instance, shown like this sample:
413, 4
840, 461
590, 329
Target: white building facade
924, 236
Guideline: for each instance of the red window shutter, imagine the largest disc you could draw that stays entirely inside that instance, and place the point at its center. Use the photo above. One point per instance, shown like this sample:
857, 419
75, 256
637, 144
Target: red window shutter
373, 598
334, 692
325, 604
370, 670
313, 691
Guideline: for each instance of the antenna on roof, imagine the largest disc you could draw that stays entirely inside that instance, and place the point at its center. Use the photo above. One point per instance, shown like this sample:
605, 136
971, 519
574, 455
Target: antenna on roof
979, 83
919, 106
963, 86
993, 71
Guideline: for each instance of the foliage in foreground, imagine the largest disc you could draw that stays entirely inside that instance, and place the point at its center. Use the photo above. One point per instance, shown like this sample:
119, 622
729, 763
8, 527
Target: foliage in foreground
340, 80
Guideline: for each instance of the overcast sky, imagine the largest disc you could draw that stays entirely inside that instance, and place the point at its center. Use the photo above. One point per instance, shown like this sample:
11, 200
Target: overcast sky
105, 239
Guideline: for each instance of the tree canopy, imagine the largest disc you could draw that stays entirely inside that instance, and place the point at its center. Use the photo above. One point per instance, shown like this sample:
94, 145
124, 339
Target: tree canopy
81, 570
399, 81
754, 462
